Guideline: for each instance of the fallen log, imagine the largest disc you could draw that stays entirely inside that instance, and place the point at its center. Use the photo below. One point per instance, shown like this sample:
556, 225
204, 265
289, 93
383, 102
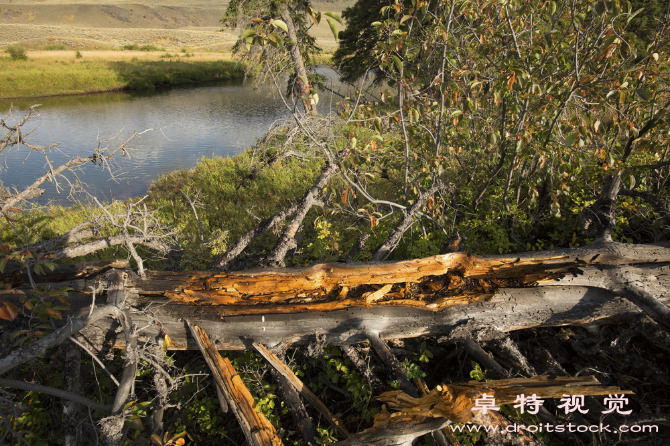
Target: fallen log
429, 296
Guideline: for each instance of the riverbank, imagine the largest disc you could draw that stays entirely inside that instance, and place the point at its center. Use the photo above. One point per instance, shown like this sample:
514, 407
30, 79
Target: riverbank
62, 73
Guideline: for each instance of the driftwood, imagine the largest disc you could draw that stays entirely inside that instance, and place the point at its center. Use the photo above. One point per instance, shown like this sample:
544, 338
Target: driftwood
256, 428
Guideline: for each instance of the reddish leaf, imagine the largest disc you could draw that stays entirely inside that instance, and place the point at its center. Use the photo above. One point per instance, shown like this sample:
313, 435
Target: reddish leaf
4, 314
53, 313
13, 311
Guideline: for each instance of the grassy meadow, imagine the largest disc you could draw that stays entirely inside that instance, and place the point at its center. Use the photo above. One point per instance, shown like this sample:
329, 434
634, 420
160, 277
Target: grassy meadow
48, 73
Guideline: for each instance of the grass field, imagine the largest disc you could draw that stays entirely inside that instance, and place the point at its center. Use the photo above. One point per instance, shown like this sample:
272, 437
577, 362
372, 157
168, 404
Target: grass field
47, 73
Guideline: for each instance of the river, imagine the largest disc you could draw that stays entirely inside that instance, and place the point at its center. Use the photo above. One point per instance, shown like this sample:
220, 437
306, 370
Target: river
188, 122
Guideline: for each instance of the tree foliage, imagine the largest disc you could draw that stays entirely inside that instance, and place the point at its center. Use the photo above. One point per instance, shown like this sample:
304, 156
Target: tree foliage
521, 107
264, 37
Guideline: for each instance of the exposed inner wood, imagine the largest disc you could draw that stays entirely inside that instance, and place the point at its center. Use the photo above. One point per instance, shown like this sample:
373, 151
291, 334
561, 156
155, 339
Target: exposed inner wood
256, 427
429, 296
456, 401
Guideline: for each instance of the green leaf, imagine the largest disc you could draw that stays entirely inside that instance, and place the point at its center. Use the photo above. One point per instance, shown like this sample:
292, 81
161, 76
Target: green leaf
632, 16
552, 8
315, 96
335, 16
398, 63
644, 94
600, 7
333, 27
247, 33
280, 24
570, 139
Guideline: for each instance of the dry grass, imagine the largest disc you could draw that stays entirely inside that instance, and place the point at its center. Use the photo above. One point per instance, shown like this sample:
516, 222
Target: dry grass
125, 55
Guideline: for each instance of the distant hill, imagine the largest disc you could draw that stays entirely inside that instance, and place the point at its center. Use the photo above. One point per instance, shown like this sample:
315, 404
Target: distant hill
80, 23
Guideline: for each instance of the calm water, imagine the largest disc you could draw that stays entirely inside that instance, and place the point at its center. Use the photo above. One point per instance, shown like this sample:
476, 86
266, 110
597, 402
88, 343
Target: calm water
190, 123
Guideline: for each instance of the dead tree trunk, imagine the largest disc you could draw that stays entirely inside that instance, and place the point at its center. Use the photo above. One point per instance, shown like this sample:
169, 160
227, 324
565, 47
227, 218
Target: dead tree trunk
344, 301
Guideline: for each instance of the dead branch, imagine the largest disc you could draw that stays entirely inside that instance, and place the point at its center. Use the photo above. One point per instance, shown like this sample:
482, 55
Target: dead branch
358, 246
195, 203
30, 387
247, 238
399, 371
40, 347
101, 156
408, 219
96, 359
599, 218
456, 401
287, 373
658, 311
112, 426
364, 368
396, 430
82, 249
256, 428
287, 241
288, 394
72, 412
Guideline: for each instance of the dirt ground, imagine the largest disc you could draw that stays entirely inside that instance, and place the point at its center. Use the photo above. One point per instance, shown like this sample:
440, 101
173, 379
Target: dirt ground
171, 25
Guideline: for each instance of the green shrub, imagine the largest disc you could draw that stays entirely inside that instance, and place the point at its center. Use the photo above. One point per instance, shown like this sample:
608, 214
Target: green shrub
78, 55
136, 47
16, 52
58, 47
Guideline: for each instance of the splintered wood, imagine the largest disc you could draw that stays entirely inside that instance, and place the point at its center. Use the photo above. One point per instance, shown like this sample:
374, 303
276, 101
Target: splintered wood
455, 401
432, 283
256, 427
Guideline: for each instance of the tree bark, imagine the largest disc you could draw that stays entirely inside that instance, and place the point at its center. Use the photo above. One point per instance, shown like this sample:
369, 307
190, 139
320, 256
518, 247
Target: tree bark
551, 288
296, 57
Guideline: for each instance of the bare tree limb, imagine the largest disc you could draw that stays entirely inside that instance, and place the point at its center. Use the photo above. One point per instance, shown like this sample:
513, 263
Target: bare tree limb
55, 392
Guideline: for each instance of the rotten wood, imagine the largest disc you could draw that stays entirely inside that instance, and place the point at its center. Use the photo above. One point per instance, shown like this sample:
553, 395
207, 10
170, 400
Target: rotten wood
579, 286
15, 276
256, 427
287, 373
442, 437
112, 427
73, 413
456, 401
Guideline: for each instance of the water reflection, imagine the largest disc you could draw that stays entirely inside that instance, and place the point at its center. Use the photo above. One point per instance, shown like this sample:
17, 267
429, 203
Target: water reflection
190, 122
